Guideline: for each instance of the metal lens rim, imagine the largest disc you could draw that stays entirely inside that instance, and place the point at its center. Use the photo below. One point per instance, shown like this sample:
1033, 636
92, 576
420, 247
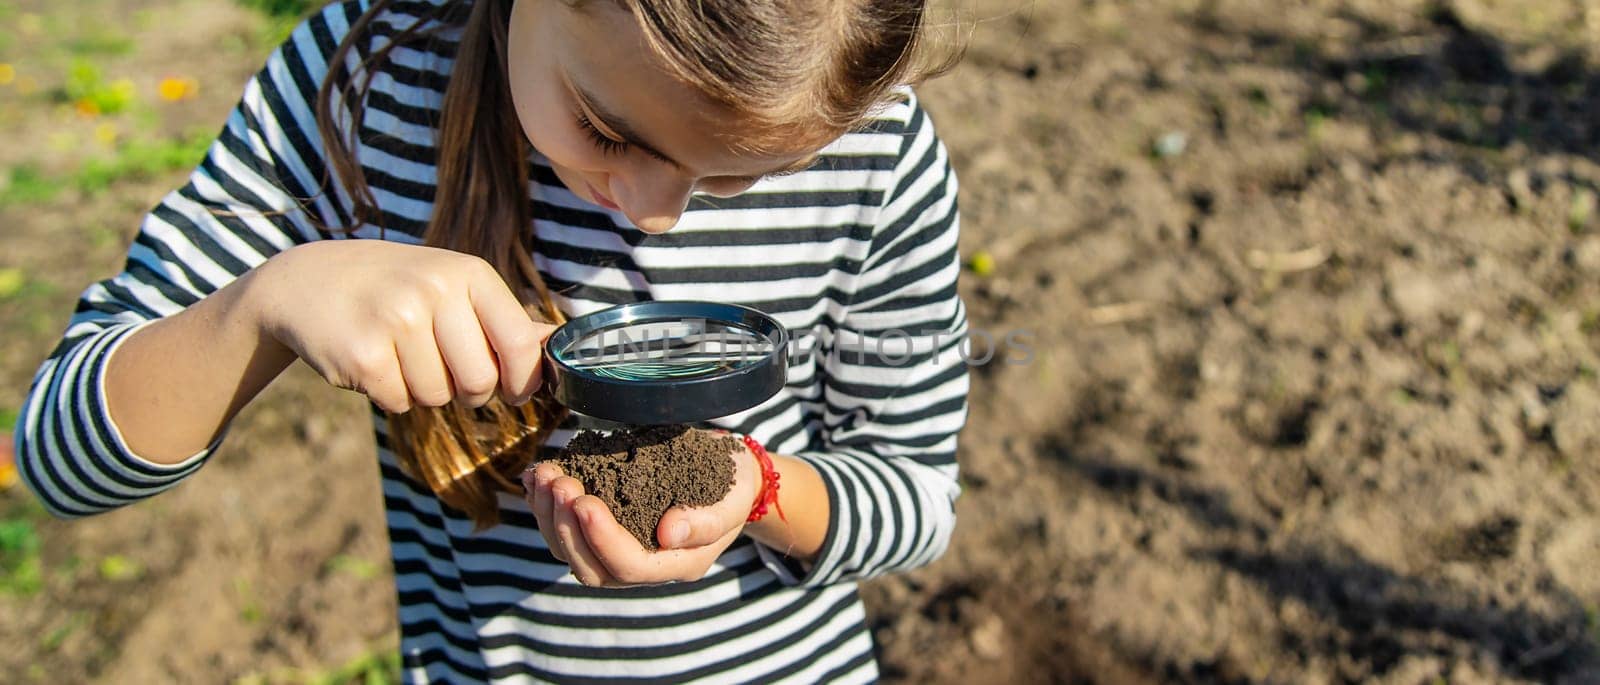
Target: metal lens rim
662, 311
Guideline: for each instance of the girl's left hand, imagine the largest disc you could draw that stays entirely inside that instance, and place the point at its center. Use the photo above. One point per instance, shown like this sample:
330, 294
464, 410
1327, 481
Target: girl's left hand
581, 531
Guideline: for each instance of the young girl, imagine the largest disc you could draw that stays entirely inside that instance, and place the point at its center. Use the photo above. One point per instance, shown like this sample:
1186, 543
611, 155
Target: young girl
407, 198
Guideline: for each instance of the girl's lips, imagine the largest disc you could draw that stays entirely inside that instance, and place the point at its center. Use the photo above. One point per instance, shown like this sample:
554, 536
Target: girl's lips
600, 199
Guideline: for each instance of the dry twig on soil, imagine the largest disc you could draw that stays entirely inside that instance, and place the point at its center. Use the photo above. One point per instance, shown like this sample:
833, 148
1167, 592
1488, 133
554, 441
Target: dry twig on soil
1288, 262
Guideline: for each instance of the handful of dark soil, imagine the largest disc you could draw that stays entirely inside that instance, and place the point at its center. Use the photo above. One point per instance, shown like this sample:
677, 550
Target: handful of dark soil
642, 472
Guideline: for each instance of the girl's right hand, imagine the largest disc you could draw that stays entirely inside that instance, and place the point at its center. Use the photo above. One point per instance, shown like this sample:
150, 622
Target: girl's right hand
403, 324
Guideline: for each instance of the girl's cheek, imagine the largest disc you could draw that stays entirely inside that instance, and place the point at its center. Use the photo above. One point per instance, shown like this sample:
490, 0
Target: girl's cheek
723, 188
557, 139
573, 153
554, 132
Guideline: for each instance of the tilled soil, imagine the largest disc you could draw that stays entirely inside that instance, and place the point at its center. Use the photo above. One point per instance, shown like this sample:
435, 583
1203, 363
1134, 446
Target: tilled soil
1314, 295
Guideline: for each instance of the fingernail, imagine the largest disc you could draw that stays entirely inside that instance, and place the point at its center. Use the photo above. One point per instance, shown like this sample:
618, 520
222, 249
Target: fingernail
536, 479
677, 533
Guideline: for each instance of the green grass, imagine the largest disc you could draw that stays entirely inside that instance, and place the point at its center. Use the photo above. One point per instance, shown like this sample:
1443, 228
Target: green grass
372, 668
282, 16
1377, 82
117, 568
1317, 118
21, 569
102, 44
16, 285
357, 567
140, 160
12, 281
87, 87
27, 185
1581, 210
281, 9
1258, 98
249, 605
86, 59
378, 667
53, 639
136, 159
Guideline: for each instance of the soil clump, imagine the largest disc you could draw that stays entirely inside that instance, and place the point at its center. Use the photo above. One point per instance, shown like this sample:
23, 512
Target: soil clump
642, 472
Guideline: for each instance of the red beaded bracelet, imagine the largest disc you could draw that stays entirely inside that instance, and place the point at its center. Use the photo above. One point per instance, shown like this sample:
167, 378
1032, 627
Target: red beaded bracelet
768, 495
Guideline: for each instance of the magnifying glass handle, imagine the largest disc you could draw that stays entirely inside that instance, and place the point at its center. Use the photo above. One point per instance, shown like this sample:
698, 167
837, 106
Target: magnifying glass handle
547, 372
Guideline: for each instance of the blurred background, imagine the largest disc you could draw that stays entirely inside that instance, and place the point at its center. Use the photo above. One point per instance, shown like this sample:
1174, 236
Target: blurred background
1314, 292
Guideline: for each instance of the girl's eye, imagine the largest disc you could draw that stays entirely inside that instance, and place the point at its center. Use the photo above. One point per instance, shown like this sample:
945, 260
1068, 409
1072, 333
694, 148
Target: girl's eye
600, 140
752, 180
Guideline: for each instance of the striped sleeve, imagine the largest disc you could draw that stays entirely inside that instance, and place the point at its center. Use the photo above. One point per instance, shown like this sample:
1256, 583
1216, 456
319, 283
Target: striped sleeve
895, 385
242, 205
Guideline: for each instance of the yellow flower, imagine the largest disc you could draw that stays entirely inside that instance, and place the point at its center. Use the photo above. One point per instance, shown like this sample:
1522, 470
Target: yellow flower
170, 89
87, 108
982, 263
8, 475
8, 74
173, 89
105, 133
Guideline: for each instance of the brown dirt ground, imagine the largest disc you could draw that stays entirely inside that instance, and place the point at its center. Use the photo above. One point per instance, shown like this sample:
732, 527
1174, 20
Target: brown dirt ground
1313, 400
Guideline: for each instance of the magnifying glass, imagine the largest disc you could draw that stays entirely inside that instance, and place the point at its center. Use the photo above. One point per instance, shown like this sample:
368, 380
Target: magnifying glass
667, 362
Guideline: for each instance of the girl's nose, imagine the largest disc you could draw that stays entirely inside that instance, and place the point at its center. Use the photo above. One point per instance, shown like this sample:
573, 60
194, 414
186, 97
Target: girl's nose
653, 199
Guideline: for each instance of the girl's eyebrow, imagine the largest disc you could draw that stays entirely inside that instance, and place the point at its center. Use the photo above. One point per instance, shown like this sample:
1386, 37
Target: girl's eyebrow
620, 126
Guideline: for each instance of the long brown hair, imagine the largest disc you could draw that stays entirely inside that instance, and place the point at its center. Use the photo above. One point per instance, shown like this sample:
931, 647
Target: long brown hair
794, 69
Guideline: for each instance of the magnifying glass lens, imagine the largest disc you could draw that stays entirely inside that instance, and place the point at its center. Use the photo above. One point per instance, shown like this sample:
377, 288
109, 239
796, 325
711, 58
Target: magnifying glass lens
663, 362
667, 350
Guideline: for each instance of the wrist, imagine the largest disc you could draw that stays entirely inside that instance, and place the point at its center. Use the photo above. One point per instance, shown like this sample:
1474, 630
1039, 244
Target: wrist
247, 306
768, 482
772, 526
802, 496
243, 320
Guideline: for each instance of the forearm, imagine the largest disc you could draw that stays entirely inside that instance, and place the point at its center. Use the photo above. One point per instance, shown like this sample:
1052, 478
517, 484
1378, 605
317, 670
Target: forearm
174, 385
803, 499
864, 515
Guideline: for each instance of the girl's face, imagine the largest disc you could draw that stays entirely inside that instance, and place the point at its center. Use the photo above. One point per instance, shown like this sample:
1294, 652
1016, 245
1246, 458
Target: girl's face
618, 128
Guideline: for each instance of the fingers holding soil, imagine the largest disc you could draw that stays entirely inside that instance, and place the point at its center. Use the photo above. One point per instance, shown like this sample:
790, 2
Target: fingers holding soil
641, 473
537, 482
690, 527
569, 537
614, 547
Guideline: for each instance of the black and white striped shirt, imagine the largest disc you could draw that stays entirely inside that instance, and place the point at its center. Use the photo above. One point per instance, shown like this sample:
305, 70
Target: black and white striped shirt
852, 251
